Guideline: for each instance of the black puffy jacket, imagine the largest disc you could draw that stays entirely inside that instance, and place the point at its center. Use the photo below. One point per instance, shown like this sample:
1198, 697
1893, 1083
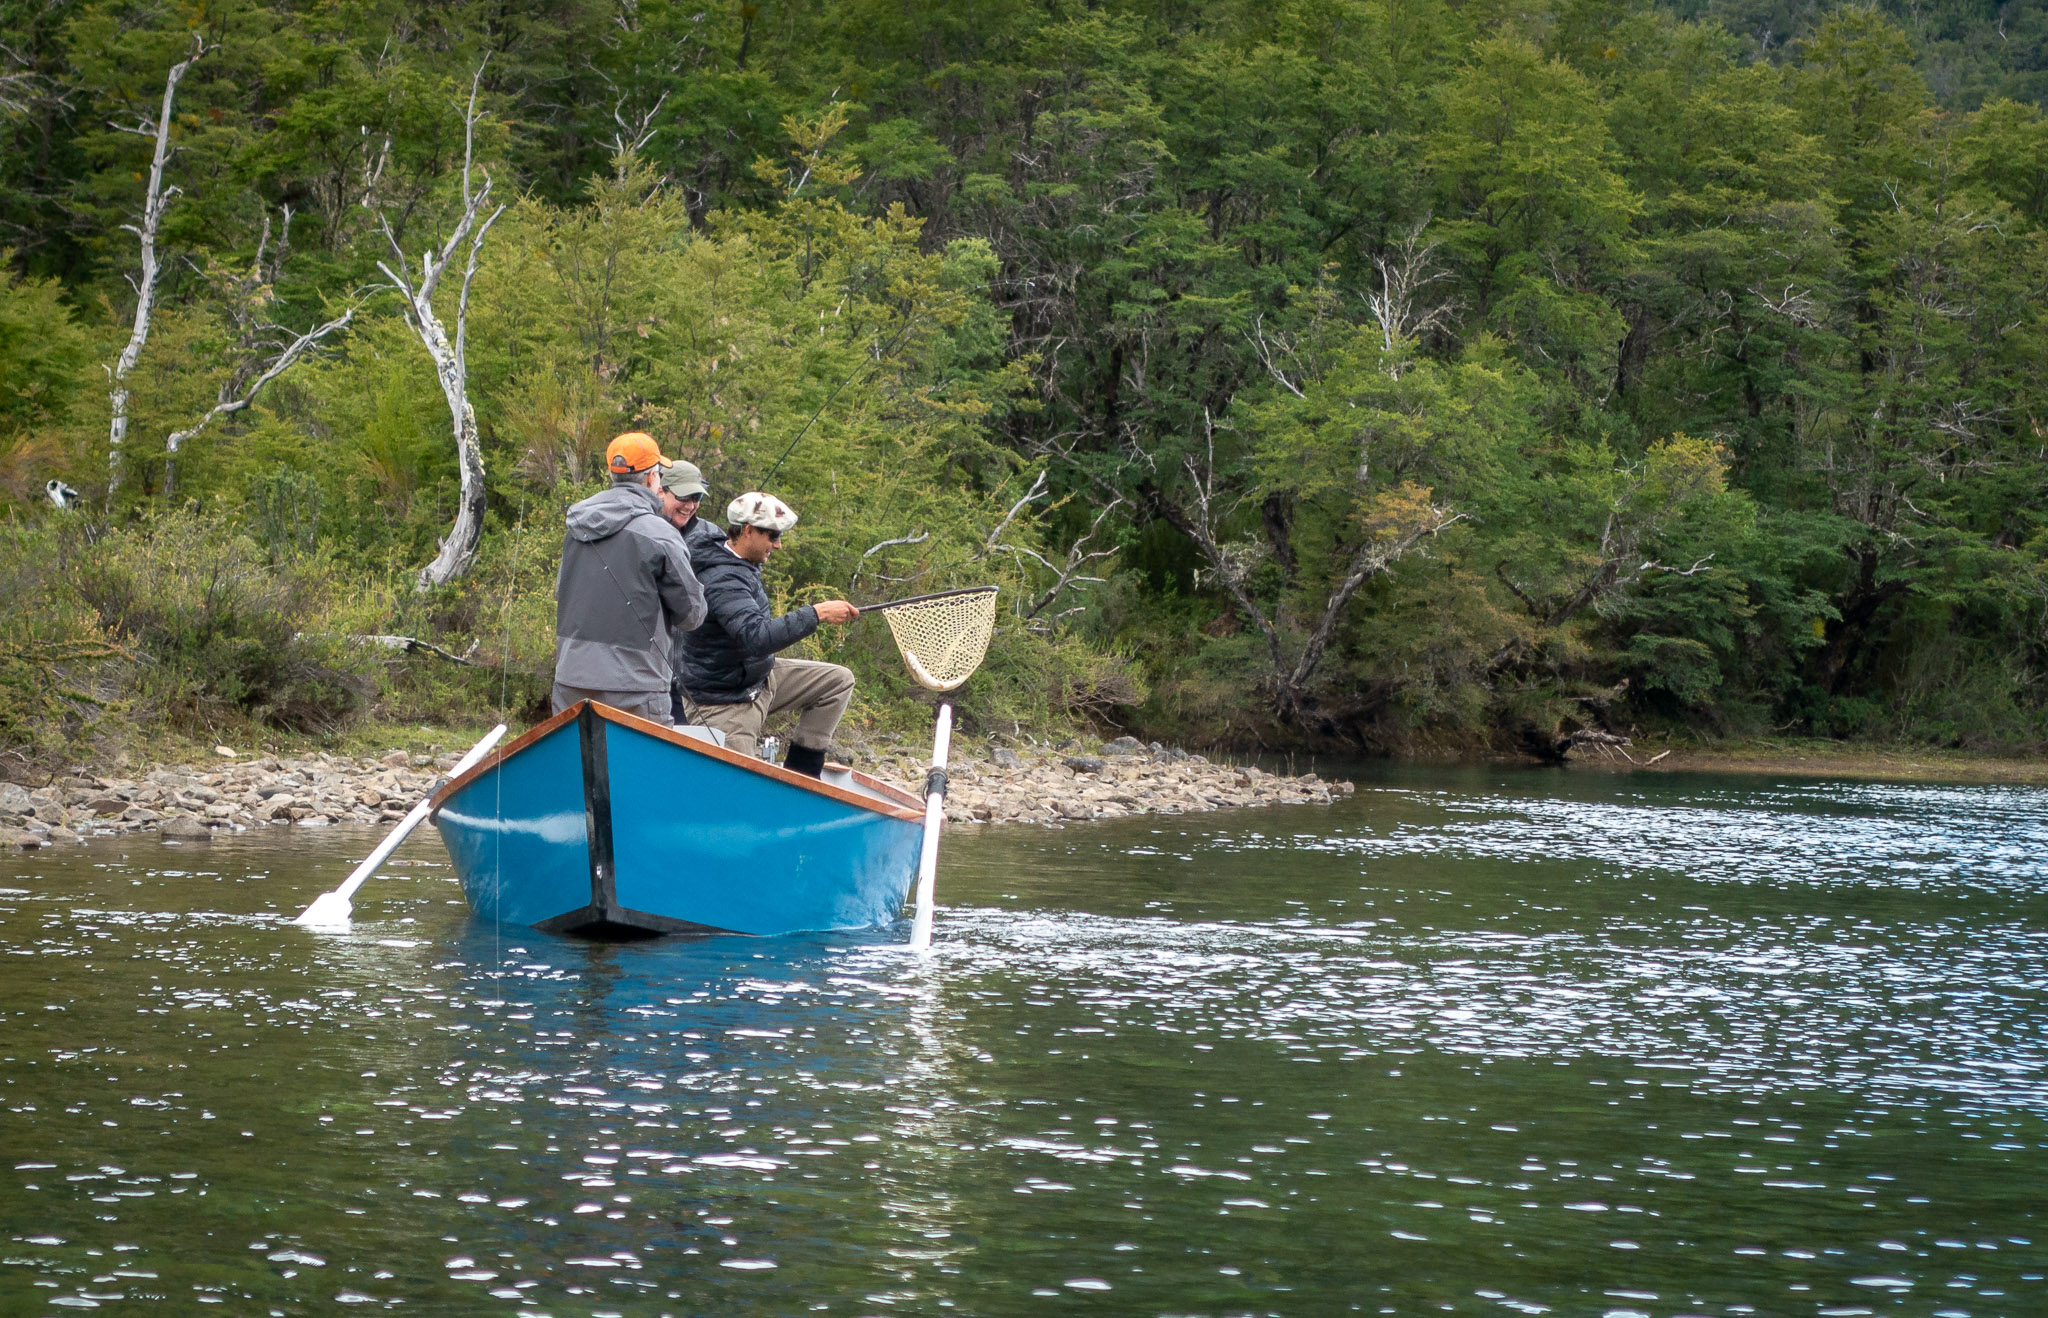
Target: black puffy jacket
725, 661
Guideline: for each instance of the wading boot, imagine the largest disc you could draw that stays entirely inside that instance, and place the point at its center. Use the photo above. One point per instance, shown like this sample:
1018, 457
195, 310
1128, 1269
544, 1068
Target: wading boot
804, 760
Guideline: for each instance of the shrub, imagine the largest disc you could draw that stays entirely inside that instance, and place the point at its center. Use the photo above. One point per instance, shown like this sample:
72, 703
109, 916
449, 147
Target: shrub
58, 667
218, 628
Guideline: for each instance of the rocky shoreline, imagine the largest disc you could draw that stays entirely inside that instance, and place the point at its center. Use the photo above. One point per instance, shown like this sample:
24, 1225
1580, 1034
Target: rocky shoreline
191, 802
1122, 777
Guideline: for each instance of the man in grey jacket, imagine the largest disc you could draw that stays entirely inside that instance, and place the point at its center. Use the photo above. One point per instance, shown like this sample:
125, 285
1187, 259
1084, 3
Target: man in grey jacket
626, 593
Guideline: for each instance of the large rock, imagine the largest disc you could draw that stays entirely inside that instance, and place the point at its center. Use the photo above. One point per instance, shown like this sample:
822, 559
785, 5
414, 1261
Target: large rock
184, 829
1004, 758
1084, 764
14, 798
20, 838
1123, 746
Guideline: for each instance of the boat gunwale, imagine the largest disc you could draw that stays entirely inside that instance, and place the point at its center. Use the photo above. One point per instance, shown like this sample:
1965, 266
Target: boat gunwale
905, 806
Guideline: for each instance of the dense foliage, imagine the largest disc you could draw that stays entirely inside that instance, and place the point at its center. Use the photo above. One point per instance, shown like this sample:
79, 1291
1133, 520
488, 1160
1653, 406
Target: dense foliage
1391, 371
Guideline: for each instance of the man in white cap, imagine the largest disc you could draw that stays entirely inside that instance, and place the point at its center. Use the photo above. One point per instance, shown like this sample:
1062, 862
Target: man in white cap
728, 674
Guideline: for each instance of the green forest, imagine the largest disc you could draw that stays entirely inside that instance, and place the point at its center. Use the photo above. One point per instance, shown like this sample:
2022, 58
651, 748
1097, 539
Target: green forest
1383, 375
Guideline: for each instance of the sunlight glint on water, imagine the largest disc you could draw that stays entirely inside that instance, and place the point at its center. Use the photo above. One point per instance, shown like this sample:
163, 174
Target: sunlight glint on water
1471, 1042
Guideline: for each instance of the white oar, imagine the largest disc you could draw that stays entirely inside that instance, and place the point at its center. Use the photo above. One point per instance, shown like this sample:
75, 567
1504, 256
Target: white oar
330, 910
934, 815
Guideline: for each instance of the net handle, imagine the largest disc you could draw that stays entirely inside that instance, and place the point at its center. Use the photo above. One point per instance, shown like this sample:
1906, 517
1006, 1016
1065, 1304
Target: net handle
922, 599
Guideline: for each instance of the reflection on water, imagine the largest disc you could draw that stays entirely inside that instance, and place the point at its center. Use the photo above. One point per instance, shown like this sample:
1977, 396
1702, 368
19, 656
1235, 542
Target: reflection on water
1470, 1042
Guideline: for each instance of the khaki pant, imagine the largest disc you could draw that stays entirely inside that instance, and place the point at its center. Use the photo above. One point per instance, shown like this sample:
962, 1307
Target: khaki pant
652, 705
818, 691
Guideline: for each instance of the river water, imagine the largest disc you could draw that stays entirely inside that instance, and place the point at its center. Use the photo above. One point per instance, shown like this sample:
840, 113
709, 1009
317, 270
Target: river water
1470, 1042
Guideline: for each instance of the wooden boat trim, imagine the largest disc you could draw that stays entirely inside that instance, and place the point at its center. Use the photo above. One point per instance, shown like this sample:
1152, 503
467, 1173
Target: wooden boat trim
499, 756
905, 799
910, 810
794, 779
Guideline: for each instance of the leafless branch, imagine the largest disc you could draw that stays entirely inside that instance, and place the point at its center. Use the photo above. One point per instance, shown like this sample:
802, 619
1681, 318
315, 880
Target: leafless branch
1795, 305
1699, 565
915, 538
1270, 350
635, 133
1072, 572
1036, 491
21, 87
1406, 270
232, 401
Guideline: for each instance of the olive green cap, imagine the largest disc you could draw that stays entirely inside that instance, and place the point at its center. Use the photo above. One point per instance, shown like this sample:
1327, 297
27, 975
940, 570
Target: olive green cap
683, 480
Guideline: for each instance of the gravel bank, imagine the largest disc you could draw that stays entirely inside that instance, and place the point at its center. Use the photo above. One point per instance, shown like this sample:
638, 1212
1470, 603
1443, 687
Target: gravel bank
1122, 777
188, 803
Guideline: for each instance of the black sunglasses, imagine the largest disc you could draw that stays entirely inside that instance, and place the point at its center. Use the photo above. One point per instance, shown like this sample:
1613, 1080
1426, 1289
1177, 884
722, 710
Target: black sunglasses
775, 537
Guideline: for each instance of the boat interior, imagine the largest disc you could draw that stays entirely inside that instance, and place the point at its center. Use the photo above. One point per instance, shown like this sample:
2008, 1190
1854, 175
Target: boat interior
838, 775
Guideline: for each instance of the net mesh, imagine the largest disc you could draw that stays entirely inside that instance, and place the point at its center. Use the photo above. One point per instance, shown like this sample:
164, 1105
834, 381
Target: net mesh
944, 639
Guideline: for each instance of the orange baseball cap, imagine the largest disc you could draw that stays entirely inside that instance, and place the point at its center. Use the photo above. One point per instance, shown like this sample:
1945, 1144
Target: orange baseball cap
633, 452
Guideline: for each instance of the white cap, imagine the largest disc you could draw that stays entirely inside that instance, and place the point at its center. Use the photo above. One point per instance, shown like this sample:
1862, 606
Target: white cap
763, 510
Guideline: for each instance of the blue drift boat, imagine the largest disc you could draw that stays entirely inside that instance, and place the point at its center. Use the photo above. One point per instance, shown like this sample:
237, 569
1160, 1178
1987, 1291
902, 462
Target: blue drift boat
605, 825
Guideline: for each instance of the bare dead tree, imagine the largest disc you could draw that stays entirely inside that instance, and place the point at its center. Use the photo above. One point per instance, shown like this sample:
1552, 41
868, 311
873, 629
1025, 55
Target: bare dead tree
266, 350
1406, 270
635, 128
1069, 573
21, 87
233, 399
1633, 520
1230, 566
1276, 352
155, 198
1397, 524
458, 549
1398, 533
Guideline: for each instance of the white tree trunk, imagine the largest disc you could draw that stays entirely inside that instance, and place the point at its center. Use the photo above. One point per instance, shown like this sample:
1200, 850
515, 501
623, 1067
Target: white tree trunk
154, 201
458, 549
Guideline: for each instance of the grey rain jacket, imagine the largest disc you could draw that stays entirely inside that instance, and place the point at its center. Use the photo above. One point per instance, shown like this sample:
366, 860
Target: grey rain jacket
725, 661
625, 594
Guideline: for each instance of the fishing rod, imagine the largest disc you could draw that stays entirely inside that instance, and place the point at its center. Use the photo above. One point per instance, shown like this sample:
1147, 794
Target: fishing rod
880, 356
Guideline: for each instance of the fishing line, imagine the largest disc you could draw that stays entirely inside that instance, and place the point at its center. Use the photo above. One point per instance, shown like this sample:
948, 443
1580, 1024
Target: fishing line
881, 356
504, 716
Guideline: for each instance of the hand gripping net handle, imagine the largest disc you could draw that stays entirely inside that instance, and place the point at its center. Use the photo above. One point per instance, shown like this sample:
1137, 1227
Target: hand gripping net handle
943, 637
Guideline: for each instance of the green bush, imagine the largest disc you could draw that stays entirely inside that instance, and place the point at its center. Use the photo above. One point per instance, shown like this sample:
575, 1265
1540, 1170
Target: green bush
58, 667
219, 628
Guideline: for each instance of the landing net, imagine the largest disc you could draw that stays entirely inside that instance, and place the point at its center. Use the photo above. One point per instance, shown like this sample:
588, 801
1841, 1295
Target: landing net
943, 637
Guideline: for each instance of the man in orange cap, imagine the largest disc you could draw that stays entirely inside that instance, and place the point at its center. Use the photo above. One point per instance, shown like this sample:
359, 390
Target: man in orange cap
625, 594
